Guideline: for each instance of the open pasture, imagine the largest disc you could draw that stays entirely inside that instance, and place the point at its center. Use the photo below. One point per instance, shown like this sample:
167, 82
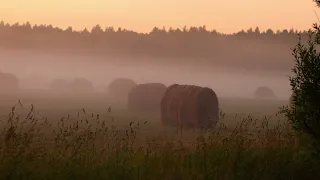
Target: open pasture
54, 107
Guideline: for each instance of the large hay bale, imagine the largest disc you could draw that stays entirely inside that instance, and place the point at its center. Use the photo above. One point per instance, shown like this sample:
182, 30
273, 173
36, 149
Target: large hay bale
264, 92
59, 85
189, 105
9, 82
146, 97
120, 87
81, 85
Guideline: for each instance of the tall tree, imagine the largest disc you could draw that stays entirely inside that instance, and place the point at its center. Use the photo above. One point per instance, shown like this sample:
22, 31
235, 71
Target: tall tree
304, 111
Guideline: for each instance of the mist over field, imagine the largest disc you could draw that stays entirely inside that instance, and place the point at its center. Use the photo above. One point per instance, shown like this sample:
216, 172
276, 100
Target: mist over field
185, 103
159, 90
36, 70
233, 65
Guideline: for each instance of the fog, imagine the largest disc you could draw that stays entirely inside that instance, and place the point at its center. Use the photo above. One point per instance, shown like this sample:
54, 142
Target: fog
36, 71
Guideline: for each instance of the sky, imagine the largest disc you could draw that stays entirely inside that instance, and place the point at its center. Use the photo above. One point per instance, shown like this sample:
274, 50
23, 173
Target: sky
225, 16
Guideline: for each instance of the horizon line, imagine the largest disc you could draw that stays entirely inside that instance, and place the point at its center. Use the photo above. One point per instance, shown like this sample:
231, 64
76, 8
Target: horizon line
140, 32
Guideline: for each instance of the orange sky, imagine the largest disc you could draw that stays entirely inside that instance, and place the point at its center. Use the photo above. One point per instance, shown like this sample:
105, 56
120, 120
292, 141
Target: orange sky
141, 15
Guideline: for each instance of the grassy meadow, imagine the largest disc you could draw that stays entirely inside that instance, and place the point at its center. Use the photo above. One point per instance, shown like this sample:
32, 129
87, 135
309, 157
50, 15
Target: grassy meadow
49, 137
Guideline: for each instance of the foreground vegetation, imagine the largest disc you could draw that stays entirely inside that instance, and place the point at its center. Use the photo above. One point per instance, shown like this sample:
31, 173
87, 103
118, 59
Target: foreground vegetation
87, 146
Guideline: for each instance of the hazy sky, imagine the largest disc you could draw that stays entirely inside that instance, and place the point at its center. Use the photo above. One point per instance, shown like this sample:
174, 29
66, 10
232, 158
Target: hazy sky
141, 15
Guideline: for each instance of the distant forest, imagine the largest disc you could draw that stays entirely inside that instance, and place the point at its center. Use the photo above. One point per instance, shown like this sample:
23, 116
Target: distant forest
186, 43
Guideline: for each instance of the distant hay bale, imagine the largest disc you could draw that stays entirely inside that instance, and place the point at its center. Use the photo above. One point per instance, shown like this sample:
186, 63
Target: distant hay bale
120, 87
146, 97
59, 85
81, 85
8, 82
189, 105
264, 92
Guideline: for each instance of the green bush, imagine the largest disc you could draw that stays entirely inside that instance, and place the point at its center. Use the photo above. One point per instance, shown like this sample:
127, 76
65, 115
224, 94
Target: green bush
304, 113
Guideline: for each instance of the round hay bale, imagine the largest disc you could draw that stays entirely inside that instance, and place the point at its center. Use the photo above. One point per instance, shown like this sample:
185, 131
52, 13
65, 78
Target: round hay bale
81, 85
9, 82
146, 98
120, 87
59, 85
264, 92
189, 105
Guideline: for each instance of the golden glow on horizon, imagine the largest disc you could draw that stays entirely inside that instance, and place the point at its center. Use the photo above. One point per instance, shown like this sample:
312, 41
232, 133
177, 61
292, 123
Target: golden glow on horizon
142, 15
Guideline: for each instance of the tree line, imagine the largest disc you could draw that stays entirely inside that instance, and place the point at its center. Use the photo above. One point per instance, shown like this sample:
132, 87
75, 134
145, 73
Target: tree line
188, 42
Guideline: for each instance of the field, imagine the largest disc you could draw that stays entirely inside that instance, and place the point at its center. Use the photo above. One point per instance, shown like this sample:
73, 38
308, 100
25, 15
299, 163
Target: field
46, 136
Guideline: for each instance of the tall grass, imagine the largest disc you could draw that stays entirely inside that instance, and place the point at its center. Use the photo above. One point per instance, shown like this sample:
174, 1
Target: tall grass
88, 147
